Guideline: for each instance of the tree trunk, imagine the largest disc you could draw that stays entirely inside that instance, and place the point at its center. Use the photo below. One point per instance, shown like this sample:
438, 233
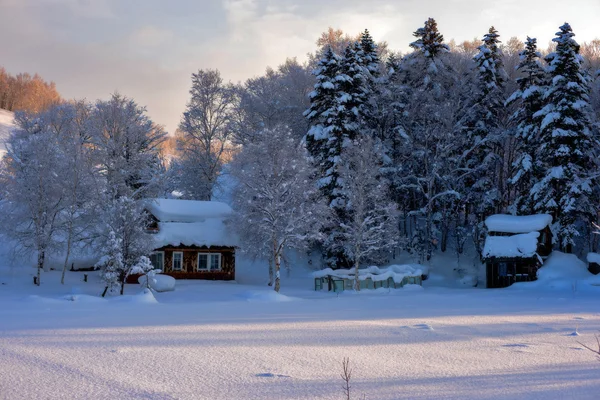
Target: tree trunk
277, 271
270, 272
356, 262
69, 239
40, 265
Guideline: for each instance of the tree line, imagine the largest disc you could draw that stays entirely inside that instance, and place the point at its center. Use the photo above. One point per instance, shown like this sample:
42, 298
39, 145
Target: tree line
360, 152
23, 92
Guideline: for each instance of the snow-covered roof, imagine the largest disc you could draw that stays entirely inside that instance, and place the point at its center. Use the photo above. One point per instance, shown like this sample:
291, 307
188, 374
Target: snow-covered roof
517, 223
523, 245
191, 223
173, 210
210, 232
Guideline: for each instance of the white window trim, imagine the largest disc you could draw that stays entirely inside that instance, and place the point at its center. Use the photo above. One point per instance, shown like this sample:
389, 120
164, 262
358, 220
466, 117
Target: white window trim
162, 267
173, 261
208, 262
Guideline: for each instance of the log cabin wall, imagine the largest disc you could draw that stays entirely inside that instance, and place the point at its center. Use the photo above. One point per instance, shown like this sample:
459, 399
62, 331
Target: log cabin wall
190, 260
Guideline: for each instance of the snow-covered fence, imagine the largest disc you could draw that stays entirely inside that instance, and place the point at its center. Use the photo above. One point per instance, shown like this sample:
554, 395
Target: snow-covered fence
373, 277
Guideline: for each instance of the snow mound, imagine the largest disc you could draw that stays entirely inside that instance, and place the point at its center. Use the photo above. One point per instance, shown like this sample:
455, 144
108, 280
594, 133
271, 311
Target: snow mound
84, 298
523, 245
159, 283
173, 210
144, 297
517, 223
562, 266
265, 296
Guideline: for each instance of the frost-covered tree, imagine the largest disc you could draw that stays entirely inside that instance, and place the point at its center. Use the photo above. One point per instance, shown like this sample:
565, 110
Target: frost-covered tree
529, 100
371, 229
567, 147
33, 197
126, 144
125, 244
425, 155
206, 128
277, 202
482, 124
322, 112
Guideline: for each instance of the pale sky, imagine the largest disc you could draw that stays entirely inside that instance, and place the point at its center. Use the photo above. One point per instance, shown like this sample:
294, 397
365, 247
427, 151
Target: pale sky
147, 49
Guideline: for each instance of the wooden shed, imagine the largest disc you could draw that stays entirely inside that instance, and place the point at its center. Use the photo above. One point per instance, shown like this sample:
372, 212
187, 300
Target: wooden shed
515, 247
192, 239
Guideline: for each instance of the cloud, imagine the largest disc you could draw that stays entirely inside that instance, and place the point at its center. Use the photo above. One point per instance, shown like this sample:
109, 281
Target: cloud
147, 49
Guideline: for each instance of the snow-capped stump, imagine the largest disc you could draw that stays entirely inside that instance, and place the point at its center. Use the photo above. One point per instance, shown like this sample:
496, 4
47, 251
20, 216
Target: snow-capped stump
515, 247
158, 282
593, 260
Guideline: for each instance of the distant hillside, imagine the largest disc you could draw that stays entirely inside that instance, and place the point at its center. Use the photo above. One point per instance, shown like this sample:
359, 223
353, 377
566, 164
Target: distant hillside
6, 124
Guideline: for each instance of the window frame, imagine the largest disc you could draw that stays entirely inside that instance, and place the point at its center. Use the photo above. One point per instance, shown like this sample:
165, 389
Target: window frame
209, 262
162, 268
173, 261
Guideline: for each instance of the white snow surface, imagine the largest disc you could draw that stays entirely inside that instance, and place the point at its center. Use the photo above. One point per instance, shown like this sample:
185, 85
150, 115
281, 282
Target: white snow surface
523, 245
6, 126
175, 210
517, 224
228, 340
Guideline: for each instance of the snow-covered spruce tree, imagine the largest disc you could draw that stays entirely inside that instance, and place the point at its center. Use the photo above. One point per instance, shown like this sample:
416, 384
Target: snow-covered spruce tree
370, 57
482, 125
206, 131
32, 191
567, 148
322, 112
126, 143
372, 227
529, 100
278, 205
428, 120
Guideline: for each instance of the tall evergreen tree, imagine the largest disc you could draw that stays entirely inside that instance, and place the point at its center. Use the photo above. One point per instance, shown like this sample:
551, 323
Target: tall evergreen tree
482, 124
322, 112
566, 146
529, 99
370, 58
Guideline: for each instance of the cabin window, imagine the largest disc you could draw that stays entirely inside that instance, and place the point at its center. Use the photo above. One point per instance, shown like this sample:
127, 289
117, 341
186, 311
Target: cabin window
158, 260
502, 269
209, 261
177, 260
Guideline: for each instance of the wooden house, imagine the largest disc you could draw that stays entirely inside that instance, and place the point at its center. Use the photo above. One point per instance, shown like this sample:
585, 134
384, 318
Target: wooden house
515, 248
192, 239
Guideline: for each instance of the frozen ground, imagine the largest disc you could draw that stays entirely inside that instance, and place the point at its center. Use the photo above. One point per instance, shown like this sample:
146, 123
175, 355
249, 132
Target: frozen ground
225, 340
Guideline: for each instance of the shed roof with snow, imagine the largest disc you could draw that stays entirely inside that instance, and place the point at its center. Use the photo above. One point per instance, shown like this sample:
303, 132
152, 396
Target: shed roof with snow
523, 245
191, 223
517, 223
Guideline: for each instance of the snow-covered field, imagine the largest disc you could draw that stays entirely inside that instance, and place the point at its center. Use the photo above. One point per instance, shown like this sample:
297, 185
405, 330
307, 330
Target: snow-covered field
227, 340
